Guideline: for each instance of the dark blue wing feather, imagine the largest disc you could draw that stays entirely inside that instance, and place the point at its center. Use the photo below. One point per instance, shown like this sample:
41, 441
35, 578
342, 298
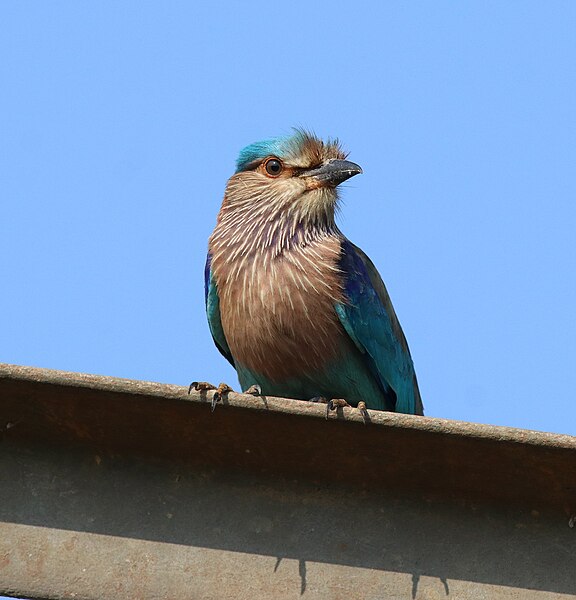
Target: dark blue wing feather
369, 319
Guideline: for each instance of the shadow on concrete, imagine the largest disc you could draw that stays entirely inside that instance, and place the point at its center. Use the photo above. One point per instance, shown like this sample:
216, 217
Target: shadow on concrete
83, 490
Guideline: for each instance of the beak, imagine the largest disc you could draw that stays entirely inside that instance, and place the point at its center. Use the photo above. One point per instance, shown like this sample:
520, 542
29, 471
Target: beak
333, 172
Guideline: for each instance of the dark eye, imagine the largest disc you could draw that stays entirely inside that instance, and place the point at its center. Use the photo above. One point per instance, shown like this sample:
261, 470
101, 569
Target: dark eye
273, 167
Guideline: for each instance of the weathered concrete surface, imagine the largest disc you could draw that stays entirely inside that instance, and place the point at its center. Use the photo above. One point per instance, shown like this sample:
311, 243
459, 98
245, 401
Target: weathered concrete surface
119, 489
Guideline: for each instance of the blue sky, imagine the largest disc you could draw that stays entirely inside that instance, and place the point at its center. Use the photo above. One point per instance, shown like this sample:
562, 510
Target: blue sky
120, 123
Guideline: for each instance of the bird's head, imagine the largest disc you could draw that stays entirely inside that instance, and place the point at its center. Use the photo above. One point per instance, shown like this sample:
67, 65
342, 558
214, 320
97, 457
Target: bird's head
295, 176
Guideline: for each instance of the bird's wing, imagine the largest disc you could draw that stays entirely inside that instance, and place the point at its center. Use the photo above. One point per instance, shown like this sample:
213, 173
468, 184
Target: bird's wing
213, 313
369, 319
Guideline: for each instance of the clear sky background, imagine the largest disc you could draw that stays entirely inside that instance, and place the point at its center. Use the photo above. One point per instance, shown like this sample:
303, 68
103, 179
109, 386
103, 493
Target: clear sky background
121, 121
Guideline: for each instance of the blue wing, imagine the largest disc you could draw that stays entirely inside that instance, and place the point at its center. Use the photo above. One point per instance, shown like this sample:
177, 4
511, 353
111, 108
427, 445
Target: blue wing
369, 319
213, 313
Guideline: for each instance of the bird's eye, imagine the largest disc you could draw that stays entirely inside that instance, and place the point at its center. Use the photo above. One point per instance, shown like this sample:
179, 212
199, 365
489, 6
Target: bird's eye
273, 167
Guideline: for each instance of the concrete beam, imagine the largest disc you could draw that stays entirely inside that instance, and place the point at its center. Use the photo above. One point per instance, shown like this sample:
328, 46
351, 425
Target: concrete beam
113, 488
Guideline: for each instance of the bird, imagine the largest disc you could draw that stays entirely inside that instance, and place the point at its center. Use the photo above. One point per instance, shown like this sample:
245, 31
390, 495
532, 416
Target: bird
298, 309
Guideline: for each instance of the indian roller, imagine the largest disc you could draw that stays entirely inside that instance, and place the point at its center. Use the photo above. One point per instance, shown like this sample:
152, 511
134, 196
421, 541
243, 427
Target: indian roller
296, 308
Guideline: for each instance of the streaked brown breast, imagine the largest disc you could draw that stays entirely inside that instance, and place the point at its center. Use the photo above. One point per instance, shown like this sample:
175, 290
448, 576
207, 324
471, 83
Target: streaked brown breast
277, 312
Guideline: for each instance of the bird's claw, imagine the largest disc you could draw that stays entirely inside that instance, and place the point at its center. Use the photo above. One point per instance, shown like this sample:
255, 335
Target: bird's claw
254, 390
335, 403
200, 386
221, 390
331, 404
203, 386
363, 411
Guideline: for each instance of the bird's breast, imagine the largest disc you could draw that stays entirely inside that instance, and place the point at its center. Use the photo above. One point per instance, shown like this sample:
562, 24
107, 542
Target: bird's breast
277, 311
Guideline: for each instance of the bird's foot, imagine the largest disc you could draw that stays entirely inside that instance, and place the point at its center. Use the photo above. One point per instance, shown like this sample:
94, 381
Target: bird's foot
221, 390
254, 390
331, 403
363, 411
335, 403
202, 386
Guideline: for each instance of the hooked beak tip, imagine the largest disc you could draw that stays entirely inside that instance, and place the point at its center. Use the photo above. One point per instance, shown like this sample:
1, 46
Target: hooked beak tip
333, 172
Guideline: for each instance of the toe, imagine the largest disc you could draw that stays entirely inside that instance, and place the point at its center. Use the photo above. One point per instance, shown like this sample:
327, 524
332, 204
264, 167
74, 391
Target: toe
363, 411
224, 388
221, 390
200, 386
